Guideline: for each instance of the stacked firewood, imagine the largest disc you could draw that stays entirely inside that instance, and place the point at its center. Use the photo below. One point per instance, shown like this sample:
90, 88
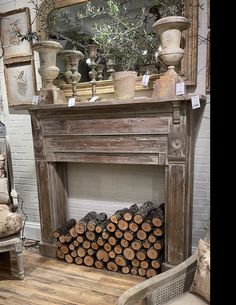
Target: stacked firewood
130, 241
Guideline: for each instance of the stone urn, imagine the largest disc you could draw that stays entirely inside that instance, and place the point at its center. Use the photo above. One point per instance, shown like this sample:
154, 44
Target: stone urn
170, 54
92, 52
47, 55
72, 76
49, 93
170, 31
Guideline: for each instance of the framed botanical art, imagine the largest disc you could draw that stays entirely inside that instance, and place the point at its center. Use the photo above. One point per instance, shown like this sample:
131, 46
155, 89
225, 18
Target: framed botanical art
20, 83
14, 24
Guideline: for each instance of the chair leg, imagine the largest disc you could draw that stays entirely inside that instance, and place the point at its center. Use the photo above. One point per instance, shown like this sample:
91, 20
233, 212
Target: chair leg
20, 260
145, 301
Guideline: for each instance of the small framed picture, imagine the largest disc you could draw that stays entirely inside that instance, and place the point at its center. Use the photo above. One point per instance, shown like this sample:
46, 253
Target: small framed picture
14, 25
20, 83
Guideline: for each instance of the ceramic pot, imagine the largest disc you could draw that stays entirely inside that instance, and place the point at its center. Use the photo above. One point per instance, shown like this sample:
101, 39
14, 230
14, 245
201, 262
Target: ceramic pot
124, 84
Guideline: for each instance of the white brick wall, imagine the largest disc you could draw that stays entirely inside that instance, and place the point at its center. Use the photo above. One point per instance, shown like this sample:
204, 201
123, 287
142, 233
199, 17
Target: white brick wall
18, 128
90, 179
201, 189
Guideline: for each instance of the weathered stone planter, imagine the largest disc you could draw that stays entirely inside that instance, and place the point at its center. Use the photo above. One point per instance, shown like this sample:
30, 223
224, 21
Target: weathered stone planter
170, 31
47, 55
124, 84
49, 71
72, 75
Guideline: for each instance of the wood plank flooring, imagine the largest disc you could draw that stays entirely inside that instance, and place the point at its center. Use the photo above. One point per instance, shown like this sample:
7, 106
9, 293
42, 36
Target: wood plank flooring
54, 282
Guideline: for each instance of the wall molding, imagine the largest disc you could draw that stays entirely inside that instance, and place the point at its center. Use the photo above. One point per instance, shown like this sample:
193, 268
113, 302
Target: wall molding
32, 230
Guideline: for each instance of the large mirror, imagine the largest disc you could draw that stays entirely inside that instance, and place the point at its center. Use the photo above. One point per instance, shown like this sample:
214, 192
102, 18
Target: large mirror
78, 23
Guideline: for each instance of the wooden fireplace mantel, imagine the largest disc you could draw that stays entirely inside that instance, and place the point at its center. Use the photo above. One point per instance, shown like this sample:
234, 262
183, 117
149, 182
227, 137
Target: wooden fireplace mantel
139, 131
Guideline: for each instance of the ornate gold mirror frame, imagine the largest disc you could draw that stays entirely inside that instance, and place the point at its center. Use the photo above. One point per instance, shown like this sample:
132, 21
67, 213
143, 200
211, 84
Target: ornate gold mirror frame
189, 62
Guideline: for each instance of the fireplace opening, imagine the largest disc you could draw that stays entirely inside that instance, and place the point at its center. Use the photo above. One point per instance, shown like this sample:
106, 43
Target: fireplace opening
115, 219
110, 187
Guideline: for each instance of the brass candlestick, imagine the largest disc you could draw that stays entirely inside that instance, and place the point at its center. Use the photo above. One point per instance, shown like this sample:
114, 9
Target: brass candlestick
92, 55
93, 75
100, 68
110, 65
73, 57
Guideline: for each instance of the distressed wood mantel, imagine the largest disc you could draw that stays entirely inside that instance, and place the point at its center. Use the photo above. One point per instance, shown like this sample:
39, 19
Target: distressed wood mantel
139, 131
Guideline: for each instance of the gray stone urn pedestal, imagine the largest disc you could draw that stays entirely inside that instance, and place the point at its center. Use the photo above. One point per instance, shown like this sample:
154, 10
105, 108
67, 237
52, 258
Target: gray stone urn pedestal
170, 31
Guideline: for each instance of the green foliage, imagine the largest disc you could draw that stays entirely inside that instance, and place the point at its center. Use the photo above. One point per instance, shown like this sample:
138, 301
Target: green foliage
128, 37
123, 35
120, 34
169, 7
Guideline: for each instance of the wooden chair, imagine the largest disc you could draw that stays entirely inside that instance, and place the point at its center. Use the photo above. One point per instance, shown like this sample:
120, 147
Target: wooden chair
170, 287
10, 220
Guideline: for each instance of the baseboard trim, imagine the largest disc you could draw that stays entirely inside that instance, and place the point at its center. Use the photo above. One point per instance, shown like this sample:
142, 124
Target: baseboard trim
32, 230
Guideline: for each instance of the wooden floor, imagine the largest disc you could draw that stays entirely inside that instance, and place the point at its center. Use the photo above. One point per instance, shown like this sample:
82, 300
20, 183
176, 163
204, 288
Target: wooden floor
54, 282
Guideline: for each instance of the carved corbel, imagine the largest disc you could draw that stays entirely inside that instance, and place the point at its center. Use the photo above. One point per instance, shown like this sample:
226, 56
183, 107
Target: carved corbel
176, 112
38, 138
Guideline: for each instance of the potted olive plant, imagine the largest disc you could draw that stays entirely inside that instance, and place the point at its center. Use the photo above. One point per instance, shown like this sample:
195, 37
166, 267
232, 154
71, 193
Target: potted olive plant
126, 37
117, 38
121, 47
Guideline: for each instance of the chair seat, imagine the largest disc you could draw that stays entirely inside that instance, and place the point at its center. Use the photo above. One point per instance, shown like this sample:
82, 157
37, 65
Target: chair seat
188, 298
9, 242
10, 222
10, 219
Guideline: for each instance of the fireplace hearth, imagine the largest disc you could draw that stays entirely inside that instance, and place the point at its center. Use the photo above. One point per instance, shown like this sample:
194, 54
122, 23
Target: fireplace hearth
139, 131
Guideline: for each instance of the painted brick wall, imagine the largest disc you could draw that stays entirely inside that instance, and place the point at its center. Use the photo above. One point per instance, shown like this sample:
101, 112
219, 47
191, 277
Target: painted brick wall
20, 137
201, 190
18, 128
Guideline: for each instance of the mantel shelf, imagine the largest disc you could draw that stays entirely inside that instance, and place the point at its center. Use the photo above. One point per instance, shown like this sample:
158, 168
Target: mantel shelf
114, 102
